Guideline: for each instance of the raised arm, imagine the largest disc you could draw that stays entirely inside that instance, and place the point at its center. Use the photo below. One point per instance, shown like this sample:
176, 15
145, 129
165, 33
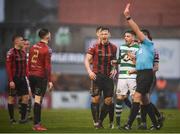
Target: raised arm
132, 23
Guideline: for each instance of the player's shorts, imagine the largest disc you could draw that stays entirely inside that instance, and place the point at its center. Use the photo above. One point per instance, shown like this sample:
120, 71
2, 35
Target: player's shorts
21, 87
102, 84
126, 85
38, 85
144, 81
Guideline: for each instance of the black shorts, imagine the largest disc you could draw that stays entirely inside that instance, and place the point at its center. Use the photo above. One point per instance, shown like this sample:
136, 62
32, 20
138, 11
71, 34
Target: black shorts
144, 81
38, 85
102, 84
21, 87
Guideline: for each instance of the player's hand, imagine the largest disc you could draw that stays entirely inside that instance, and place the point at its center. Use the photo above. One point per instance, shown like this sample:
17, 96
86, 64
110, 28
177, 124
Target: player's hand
126, 11
131, 72
113, 73
50, 86
92, 75
12, 85
113, 62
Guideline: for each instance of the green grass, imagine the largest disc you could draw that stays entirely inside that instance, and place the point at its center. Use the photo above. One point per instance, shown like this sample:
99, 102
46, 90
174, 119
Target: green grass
80, 121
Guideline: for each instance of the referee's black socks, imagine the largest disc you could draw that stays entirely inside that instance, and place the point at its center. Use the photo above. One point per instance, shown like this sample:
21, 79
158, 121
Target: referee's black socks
157, 113
143, 113
134, 111
150, 111
111, 113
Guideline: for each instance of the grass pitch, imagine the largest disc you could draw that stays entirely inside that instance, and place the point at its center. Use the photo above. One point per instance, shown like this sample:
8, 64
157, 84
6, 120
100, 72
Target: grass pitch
80, 121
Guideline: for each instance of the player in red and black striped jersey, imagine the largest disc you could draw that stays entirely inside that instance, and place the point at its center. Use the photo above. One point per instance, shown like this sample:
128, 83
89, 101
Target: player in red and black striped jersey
26, 47
39, 65
100, 56
17, 71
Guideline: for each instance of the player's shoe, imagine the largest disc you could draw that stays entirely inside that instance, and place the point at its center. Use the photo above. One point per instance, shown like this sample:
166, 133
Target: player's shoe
39, 127
30, 118
99, 126
155, 127
13, 121
95, 124
126, 127
111, 125
161, 120
23, 121
142, 126
119, 127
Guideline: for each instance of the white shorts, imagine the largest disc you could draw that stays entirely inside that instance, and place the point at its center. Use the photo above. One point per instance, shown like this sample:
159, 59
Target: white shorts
125, 85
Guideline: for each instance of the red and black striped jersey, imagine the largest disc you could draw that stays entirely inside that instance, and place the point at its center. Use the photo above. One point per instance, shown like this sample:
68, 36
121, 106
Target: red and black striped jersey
39, 62
102, 56
16, 63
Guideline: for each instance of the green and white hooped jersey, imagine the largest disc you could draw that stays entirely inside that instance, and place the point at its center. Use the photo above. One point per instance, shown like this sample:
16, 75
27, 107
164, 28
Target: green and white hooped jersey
125, 64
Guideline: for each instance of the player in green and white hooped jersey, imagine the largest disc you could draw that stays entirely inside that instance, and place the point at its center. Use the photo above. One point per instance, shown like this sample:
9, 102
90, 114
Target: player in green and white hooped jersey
126, 81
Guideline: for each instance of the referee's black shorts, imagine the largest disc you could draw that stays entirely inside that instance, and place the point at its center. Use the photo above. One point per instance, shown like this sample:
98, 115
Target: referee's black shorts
144, 81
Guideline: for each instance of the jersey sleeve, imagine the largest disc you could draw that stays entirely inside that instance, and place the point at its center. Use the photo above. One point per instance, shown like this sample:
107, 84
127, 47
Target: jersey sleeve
114, 52
48, 64
91, 49
9, 62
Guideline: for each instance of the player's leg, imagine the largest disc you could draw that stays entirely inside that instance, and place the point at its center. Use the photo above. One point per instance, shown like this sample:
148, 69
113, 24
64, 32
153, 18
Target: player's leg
22, 92
19, 104
160, 116
148, 108
29, 107
134, 110
111, 114
107, 105
95, 100
127, 102
24, 104
121, 94
11, 101
95, 109
132, 88
143, 124
38, 86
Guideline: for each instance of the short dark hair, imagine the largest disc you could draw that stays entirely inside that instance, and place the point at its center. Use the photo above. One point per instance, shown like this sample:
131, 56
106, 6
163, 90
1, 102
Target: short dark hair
130, 31
16, 36
105, 28
98, 28
43, 32
147, 33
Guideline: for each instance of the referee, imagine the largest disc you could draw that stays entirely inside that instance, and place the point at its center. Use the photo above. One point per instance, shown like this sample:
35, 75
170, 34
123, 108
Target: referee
144, 79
